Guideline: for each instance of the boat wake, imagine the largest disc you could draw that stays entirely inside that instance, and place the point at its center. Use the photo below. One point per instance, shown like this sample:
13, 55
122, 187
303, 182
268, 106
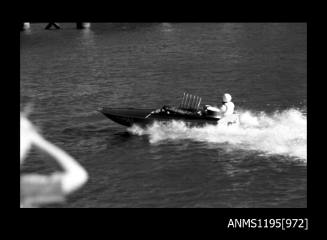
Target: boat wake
282, 132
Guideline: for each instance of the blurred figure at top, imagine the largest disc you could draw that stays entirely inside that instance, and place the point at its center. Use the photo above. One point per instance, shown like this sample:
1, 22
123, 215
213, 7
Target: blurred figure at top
37, 189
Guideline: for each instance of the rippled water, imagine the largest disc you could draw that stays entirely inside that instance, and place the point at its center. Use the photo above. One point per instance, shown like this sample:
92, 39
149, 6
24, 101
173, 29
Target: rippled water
68, 73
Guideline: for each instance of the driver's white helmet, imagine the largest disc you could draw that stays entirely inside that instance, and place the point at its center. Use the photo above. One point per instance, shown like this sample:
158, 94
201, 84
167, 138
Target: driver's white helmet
227, 97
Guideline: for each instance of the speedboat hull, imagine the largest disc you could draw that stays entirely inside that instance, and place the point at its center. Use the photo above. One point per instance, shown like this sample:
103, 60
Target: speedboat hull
143, 117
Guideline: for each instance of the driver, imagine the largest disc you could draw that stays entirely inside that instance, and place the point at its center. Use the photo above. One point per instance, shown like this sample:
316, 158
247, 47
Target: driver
226, 109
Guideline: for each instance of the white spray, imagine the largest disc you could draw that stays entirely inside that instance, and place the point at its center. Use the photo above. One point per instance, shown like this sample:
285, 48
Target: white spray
283, 133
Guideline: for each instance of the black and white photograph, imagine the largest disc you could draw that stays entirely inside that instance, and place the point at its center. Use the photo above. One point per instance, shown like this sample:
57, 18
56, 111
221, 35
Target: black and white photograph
163, 115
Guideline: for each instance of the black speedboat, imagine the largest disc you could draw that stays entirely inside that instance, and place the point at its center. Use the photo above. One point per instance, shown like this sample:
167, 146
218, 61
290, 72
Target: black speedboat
188, 112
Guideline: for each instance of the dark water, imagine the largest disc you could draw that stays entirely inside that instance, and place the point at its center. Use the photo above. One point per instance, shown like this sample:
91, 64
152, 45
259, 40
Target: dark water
67, 74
